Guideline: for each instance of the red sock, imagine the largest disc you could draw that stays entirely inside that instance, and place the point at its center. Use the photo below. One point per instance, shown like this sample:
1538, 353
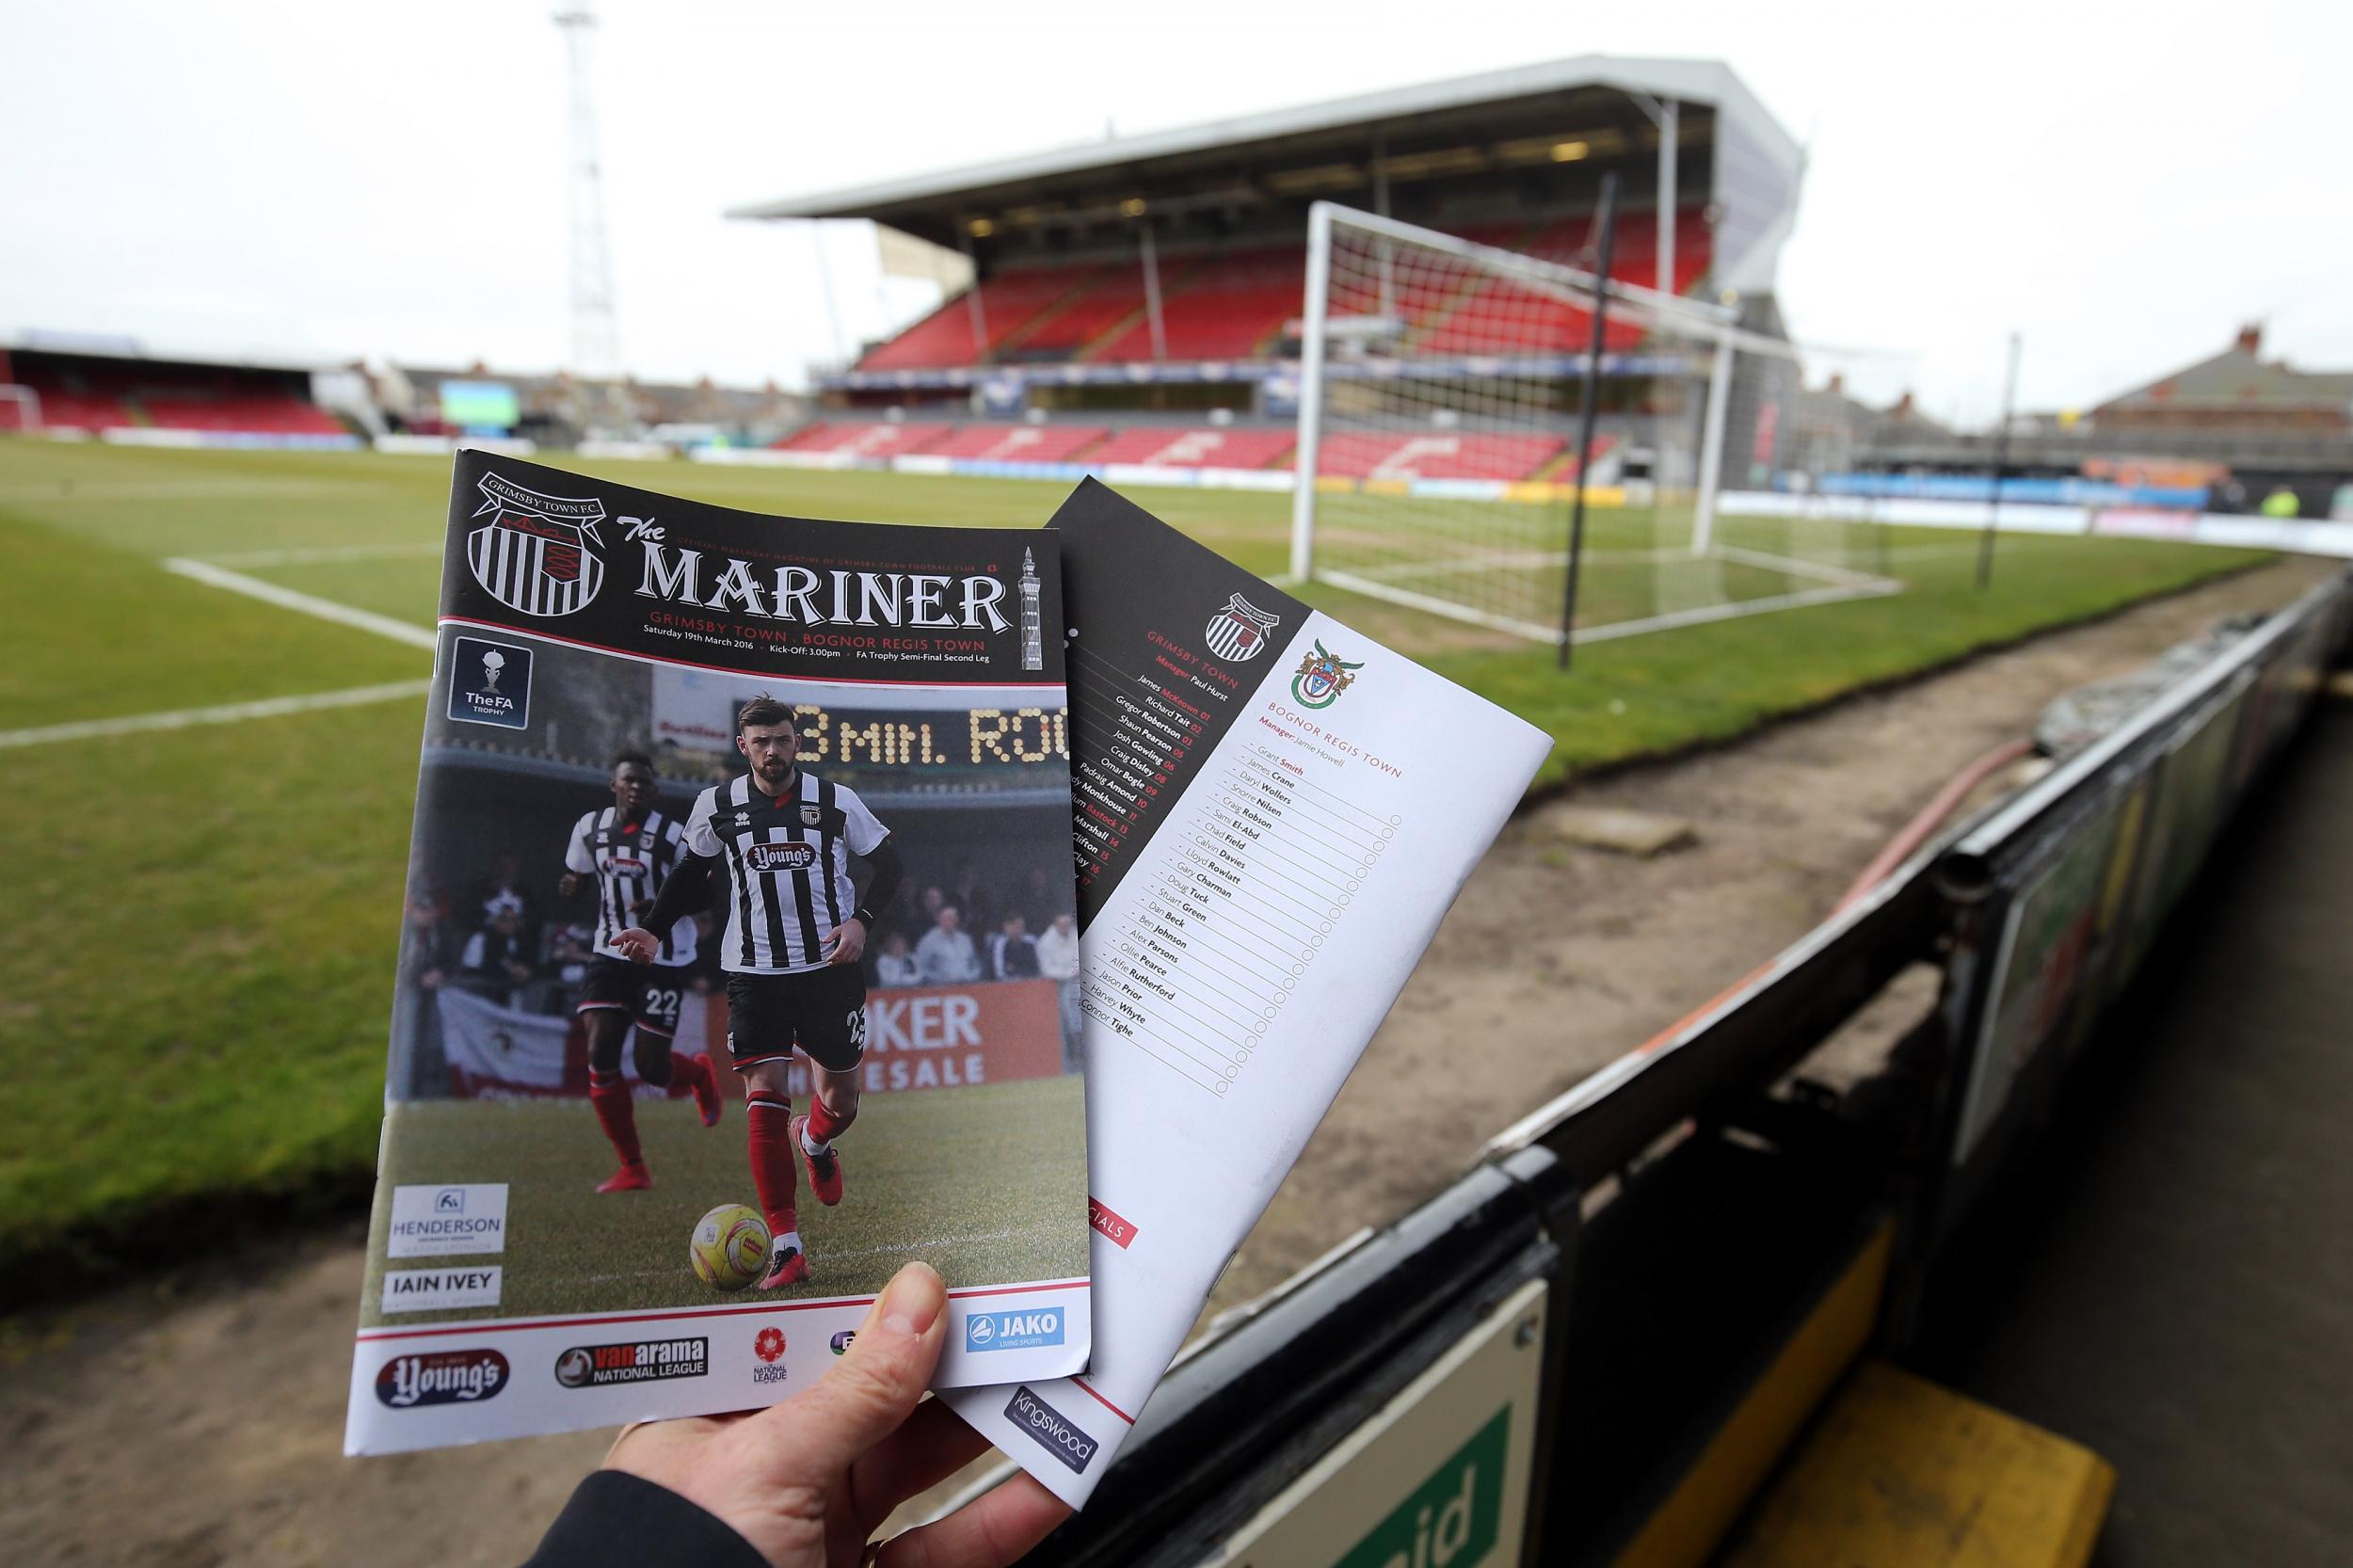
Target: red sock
617, 1112
683, 1070
774, 1170
824, 1125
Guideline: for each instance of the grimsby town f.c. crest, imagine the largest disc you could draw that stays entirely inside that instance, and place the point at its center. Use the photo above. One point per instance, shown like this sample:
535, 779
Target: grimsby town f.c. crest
533, 555
1239, 632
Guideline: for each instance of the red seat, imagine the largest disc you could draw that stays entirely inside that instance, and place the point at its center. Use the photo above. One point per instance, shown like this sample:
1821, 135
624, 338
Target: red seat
1167, 446
1435, 456
861, 440
1227, 309
1017, 443
1008, 303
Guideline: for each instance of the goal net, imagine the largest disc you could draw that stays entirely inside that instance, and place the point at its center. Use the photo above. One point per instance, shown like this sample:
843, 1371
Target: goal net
1440, 384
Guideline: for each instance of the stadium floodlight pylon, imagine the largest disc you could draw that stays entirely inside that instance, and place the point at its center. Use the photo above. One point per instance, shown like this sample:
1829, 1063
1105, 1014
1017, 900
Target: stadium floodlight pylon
1439, 379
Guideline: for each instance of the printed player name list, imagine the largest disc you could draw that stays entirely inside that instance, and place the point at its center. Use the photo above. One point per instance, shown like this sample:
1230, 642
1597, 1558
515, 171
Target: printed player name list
1253, 873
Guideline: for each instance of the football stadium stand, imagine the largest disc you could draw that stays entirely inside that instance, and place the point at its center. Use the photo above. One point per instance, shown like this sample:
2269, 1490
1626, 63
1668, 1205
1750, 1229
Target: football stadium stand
1438, 456
1197, 447
1016, 443
1166, 272
1232, 308
874, 440
1406, 454
98, 392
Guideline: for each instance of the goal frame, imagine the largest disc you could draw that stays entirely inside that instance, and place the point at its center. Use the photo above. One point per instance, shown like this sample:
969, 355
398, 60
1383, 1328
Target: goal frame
1708, 330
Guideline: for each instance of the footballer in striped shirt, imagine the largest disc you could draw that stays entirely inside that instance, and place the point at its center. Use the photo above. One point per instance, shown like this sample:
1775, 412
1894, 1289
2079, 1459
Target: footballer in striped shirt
626, 851
795, 933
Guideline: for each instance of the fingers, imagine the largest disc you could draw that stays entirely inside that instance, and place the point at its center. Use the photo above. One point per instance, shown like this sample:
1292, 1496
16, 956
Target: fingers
869, 1391
933, 1445
988, 1532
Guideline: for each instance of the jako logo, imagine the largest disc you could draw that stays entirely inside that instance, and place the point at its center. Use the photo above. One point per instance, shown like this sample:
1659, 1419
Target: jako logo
1013, 1331
1053, 1431
781, 858
1452, 1518
443, 1377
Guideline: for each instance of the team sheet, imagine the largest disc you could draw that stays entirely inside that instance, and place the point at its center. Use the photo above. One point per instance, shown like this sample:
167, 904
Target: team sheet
1272, 813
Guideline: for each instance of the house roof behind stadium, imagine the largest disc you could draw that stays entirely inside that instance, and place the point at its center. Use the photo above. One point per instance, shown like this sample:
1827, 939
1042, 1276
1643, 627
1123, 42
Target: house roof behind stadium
1527, 116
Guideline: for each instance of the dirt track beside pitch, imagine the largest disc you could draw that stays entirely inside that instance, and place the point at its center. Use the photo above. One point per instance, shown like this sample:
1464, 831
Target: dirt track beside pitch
219, 1389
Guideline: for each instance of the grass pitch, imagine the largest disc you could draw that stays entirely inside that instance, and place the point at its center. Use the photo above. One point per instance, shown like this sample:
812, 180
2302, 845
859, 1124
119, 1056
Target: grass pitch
981, 1183
194, 1013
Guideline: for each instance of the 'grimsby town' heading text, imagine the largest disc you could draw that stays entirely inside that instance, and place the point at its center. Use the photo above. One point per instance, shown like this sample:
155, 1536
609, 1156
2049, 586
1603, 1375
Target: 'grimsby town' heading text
825, 598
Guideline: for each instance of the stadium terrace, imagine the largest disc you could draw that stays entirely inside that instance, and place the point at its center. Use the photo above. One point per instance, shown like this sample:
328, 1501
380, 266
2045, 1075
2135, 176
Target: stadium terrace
836, 597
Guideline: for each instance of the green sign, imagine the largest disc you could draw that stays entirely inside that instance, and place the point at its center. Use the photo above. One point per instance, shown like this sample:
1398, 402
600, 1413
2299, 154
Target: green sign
1450, 1520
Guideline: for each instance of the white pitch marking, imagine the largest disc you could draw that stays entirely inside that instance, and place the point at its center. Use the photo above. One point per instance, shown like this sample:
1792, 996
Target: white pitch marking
233, 713
309, 604
324, 555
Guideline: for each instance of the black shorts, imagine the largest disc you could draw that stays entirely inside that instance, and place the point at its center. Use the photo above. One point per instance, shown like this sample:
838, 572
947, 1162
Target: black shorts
648, 994
821, 1013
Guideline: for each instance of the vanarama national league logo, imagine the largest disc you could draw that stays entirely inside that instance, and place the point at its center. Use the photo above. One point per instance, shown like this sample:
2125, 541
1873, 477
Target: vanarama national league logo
1321, 677
533, 555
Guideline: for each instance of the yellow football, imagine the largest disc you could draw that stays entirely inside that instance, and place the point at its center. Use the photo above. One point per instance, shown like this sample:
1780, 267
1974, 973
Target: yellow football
731, 1247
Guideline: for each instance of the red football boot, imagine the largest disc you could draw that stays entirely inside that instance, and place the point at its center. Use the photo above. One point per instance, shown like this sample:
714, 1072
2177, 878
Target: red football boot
706, 1088
788, 1267
825, 1170
628, 1178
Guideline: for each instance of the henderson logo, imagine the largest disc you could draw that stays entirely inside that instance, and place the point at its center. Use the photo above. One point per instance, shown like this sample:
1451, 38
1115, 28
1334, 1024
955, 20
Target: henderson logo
1051, 1428
441, 1376
646, 1361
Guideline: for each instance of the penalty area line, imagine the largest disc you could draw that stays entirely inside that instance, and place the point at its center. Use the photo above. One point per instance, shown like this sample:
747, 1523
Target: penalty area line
232, 712
308, 604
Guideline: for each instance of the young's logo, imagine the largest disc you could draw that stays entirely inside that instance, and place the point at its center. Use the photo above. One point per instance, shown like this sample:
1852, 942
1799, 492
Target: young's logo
489, 684
532, 555
1013, 1331
1321, 677
1239, 632
441, 1376
781, 858
769, 1347
643, 1361
1054, 1431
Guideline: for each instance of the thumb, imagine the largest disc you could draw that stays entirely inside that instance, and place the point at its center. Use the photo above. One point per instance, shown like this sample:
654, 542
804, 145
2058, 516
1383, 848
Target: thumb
864, 1396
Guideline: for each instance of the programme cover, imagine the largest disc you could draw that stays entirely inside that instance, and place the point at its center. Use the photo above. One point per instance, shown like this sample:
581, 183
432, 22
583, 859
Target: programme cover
1274, 813
545, 1157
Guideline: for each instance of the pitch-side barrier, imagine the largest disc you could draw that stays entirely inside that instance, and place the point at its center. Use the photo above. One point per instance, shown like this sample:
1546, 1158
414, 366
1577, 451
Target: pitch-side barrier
1593, 1347
2013, 517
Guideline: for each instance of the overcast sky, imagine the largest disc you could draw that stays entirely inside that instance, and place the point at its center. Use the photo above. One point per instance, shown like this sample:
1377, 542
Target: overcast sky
330, 179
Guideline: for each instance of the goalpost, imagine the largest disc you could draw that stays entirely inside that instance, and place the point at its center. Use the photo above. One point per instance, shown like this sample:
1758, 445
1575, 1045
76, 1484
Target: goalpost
1436, 456
26, 402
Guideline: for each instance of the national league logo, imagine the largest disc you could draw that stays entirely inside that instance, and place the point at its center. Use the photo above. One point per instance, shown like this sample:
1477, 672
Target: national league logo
1239, 632
532, 555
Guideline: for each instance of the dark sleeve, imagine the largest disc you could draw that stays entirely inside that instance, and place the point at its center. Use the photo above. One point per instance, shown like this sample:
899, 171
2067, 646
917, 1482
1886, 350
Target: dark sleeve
889, 871
625, 1522
686, 890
